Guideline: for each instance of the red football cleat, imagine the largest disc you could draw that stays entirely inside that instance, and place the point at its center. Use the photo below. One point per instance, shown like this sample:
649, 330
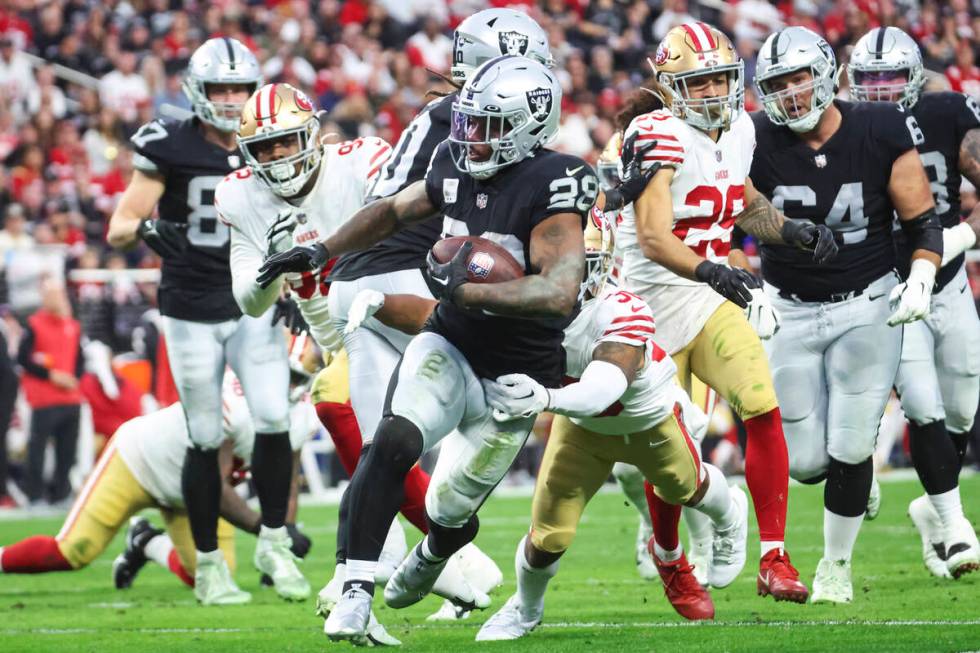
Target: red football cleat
779, 578
682, 589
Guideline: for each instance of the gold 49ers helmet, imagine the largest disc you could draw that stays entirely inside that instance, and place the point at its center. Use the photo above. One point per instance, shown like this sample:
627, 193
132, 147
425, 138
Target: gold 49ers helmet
690, 51
598, 253
279, 114
608, 164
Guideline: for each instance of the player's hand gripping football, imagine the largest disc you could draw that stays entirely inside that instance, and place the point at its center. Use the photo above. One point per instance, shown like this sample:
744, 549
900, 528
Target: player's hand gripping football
734, 284
819, 238
444, 278
514, 396
168, 239
635, 179
762, 315
302, 258
366, 303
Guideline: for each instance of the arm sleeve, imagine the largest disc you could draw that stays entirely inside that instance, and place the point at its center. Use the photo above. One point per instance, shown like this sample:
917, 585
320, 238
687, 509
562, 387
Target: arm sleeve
601, 385
246, 259
25, 356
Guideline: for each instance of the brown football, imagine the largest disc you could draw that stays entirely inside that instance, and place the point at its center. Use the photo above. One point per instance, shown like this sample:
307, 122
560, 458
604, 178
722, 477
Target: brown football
488, 262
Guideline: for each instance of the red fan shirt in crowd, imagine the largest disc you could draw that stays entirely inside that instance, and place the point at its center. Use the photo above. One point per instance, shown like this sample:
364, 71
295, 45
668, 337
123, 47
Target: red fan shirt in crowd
109, 414
964, 80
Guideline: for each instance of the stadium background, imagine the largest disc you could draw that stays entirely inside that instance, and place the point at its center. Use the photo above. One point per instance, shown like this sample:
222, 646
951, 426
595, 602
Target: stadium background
78, 77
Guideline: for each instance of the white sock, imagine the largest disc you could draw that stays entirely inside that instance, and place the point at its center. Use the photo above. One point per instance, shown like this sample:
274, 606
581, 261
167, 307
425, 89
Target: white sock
667, 556
769, 546
698, 525
273, 533
532, 582
839, 535
717, 501
215, 556
427, 552
158, 549
360, 570
948, 506
631, 482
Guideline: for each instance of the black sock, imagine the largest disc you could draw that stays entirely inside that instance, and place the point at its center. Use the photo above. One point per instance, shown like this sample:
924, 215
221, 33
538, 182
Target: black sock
343, 516
377, 487
960, 443
272, 472
444, 541
200, 481
847, 488
934, 456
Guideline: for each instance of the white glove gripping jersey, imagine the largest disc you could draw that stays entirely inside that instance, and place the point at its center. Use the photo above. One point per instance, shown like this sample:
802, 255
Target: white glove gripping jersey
153, 446
707, 192
347, 172
621, 316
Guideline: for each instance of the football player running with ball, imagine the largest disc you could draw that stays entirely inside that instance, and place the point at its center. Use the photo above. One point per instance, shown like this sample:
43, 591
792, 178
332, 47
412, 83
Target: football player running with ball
939, 375
675, 241
493, 178
178, 164
850, 167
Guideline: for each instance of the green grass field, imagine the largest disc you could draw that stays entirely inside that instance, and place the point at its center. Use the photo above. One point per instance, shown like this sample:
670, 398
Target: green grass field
597, 602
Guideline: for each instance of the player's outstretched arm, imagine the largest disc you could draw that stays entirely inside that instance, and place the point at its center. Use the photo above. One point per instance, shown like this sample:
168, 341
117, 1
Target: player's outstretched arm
604, 380
369, 225
245, 259
558, 251
137, 203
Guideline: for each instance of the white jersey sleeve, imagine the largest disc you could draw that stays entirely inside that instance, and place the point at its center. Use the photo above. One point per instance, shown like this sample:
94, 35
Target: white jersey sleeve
673, 142
233, 199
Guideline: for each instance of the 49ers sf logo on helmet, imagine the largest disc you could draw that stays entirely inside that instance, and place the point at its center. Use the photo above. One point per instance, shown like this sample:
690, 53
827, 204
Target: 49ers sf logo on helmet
663, 53
303, 102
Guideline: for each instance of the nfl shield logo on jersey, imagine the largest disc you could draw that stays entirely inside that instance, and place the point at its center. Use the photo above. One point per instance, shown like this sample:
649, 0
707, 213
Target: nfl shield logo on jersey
539, 102
480, 265
513, 43
234, 161
820, 160
481, 201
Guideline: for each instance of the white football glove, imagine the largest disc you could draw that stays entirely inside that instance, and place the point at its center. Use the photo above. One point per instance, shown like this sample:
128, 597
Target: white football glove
762, 315
910, 300
366, 303
515, 396
279, 235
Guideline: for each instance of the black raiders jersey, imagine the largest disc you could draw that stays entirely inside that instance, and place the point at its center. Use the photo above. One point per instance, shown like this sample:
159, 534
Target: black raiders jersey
943, 119
505, 209
843, 184
407, 248
196, 285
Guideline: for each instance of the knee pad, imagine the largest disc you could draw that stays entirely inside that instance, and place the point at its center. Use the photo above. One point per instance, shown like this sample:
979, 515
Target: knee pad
552, 541
397, 446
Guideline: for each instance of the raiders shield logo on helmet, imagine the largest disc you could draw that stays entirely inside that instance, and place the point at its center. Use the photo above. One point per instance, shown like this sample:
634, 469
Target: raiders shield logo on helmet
513, 43
539, 102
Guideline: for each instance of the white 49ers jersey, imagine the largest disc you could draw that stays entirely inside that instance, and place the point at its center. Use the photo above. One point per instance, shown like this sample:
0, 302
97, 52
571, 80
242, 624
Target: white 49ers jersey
707, 192
153, 446
347, 173
621, 316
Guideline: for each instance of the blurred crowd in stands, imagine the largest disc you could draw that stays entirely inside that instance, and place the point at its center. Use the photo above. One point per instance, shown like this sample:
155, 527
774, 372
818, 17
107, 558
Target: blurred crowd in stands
78, 77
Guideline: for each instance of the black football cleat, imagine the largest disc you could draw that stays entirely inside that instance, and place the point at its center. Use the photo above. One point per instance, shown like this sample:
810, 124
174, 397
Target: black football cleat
128, 563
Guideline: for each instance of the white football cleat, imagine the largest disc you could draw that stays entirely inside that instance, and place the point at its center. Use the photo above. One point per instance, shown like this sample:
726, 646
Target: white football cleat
377, 635
962, 550
927, 522
644, 563
509, 622
874, 500
832, 583
479, 569
728, 545
274, 558
417, 576
350, 617
213, 584
392, 553
328, 597
449, 612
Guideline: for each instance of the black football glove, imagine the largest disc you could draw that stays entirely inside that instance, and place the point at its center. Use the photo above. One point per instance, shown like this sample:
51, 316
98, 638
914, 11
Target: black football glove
287, 311
168, 239
301, 543
734, 284
635, 179
303, 258
445, 278
818, 238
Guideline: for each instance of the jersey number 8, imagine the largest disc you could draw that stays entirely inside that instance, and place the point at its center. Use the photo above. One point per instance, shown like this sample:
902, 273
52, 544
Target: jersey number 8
203, 227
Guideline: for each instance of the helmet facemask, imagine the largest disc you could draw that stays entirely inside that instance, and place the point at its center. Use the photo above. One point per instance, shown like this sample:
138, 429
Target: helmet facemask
474, 129
707, 113
286, 176
901, 85
598, 255
224, 116
821, 88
